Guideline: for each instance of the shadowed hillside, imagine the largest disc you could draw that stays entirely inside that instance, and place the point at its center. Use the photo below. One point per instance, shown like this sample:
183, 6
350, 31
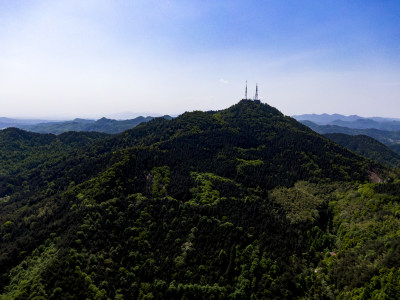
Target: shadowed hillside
368, 147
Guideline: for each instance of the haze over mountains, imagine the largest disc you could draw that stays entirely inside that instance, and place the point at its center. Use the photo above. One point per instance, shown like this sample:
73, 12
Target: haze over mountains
56, 127
10, 122
353, 121
325, 118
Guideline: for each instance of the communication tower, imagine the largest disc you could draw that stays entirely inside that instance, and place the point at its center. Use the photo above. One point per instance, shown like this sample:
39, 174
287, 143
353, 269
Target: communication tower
256, 95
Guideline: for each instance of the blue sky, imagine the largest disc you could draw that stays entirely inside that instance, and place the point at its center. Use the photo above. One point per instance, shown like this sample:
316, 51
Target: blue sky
64, 59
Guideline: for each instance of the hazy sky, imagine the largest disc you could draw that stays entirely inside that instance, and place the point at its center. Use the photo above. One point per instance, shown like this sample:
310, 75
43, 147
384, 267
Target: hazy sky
62, 59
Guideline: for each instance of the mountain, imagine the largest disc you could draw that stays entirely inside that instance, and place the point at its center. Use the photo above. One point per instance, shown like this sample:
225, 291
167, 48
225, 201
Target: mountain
354, 121
126, 115
368, 147
8, 122
385, 137
324, 119
102, 125
367, 124
234, 141
239, 203
381, 119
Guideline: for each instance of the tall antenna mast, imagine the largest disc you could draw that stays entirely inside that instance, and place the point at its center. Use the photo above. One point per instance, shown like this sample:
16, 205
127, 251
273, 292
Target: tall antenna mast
256, 96
245, 93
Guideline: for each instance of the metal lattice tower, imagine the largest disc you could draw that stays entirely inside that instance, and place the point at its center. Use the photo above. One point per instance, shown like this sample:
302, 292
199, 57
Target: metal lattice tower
245, 93
256, 95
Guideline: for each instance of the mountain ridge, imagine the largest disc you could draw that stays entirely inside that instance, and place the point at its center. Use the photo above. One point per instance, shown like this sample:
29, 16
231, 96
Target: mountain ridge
353, 121
104, 125
387, 137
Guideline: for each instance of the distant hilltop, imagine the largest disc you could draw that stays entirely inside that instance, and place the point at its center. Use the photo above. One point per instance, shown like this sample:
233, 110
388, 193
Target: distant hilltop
326, 118
57, 127
353, 121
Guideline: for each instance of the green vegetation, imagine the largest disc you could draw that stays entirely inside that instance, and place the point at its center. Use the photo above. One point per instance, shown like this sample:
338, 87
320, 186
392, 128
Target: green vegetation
21, 151
395, 147
242, 203
368, 147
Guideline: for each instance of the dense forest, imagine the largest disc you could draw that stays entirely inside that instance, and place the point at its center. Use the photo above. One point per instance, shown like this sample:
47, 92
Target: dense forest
368, 147
242, 203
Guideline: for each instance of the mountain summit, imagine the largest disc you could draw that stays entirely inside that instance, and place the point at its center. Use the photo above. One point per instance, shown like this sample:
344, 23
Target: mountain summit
251, 143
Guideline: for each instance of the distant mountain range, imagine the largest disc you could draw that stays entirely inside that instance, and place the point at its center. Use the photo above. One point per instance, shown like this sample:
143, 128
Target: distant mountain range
350, 128
353, 121
383, 136
376, 138
57, 127
9, 122
326, 118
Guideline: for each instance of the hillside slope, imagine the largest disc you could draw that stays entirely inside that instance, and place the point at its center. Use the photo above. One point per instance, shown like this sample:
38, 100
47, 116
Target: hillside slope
368, 147
385, 137
21, 150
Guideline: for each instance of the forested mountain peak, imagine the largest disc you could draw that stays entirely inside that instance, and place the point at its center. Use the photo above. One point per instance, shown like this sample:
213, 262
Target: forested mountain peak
259, 119
256, 106
247, 116
219, 141
16, 133
104, 120
248, 108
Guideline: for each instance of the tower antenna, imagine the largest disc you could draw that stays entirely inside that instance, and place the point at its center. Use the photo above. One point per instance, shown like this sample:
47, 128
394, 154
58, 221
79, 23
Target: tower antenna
245, 93
256, 96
